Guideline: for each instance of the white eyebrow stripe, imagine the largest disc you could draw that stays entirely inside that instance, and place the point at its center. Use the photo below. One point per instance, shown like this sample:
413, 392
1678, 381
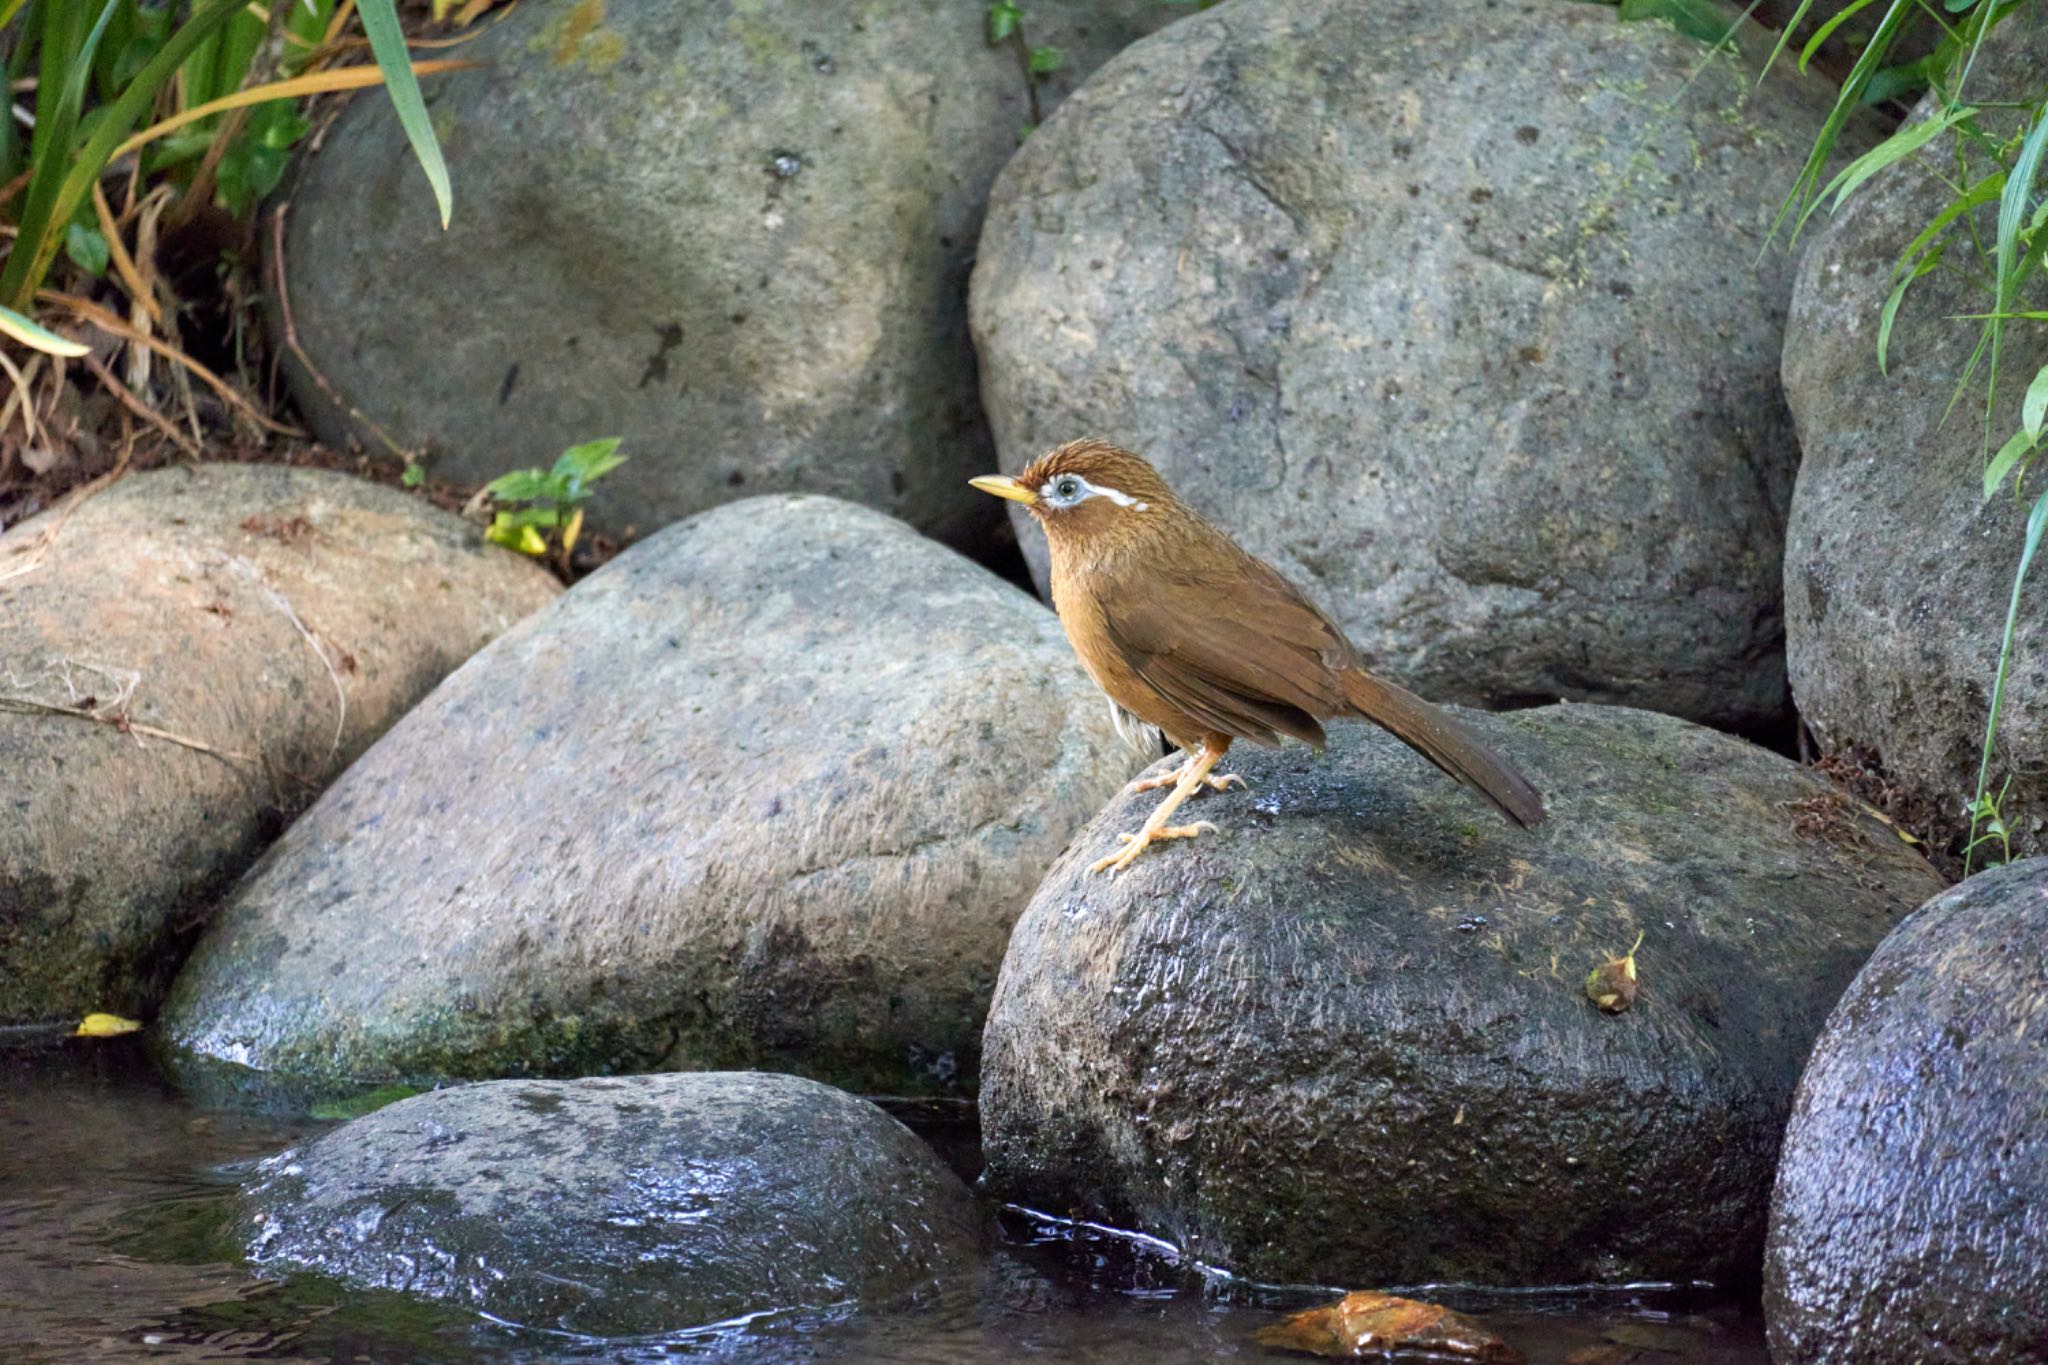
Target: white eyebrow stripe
1093, 490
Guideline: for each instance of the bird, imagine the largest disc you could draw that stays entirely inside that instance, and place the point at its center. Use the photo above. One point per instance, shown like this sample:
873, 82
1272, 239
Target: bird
1187, 632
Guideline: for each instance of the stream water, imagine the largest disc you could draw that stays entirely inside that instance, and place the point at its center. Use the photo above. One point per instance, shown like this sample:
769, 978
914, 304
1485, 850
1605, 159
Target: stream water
114, 1190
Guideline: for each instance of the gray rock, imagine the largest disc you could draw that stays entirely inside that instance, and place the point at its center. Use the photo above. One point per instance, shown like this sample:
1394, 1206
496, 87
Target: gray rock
1897, 571
1494, 374
737, 235
256, 627
620, 1206
1911, 1215
1346, 1039
767, 790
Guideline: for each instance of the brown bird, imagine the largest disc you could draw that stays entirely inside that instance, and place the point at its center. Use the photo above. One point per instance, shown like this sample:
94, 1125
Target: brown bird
1188, 633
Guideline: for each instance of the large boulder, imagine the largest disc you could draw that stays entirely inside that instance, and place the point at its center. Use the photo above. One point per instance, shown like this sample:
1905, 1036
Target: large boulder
1898, 571
610, 1207
195, 654
1495, 372
1911, 1215
737, 235
1348, 1039
767, 790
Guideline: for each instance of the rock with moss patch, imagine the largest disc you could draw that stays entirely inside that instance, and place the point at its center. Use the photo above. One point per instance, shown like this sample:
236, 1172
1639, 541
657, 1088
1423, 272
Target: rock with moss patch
1346, 1038
1911, 1215
736, 235
1497, 375
1898, 570
611, 1207
194, 654
767, 790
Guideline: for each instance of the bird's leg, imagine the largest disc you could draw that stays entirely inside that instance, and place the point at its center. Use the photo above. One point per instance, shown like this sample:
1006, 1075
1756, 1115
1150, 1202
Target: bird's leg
1220, 782
1193, 775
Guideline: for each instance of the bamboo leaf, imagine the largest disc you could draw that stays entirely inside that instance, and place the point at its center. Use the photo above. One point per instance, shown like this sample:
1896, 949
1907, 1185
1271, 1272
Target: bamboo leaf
1827, 30
387, 43
1898, 296
2037, 522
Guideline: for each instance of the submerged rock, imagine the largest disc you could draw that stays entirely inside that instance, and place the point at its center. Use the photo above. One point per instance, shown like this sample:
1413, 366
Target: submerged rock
767, 790
1497, 375
1911, 1215
1898, 571
1346, 1039
737, 235
633, 1205
1381, 1326
240, 632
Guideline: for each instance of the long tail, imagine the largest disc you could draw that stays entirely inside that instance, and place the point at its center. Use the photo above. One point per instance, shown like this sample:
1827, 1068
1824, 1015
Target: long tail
1446, 741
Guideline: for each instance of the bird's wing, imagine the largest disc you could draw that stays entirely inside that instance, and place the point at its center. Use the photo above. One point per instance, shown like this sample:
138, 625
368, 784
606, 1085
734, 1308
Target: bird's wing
1238, 648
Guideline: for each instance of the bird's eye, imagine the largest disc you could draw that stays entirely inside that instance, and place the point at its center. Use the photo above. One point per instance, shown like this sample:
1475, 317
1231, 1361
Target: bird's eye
1067, 489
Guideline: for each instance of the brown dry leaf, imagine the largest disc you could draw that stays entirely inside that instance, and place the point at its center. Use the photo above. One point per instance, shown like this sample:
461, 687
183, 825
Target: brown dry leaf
1369, 1324
1612, 984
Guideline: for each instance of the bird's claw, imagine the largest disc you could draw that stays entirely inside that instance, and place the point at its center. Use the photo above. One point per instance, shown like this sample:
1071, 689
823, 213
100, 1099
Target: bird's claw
1221, 782
1134, 844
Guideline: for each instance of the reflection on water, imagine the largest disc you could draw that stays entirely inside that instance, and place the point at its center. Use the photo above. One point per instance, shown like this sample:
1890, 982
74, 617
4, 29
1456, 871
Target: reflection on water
113, 1192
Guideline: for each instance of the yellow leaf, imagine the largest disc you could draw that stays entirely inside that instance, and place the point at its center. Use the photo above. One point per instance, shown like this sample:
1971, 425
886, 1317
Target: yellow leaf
105, 1026
314, 83
572, 530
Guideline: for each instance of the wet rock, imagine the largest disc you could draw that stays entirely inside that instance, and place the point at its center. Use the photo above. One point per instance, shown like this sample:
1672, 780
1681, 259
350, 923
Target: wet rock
736, 235
1345, 1040
1897, 570
1497, 378
767, 790
193, 657
1379, 1325
1911, 1215
620, 1206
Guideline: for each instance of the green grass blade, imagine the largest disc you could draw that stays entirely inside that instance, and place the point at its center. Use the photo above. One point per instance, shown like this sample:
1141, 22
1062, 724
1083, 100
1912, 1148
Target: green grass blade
387, 42
29, 333
2037, 522
2034, 407
48, 211
1827, 30
2002, 463
1799, 201
1898, 296
1784, 37
1895, 148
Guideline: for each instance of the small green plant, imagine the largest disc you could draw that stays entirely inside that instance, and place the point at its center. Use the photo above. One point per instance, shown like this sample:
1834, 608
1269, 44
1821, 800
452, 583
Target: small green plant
1988, 155
1006, 25
101, 68
540, 510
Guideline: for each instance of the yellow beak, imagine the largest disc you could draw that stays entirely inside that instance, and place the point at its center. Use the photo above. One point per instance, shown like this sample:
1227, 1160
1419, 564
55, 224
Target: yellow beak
1005, 487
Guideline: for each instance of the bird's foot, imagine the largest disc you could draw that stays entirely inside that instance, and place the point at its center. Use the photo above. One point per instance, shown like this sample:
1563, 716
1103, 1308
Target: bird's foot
1219, 782
1134, 844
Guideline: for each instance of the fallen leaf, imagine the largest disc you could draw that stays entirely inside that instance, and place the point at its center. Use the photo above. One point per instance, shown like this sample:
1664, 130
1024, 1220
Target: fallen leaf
1612, 984
1369, 1324
104, 1026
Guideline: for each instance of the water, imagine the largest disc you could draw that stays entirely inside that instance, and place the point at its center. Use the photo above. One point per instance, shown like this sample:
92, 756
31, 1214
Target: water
113, 1191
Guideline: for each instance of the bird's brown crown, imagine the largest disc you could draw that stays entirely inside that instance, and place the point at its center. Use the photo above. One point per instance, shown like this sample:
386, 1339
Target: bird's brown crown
1092, 486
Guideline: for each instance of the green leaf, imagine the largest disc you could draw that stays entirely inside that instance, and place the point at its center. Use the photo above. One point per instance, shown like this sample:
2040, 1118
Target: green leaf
1701, 19
1003, 18
1897, 147
2034, 407
2002, 463
387, 43
1043, 61
521, 485
87, 248
528, 516
590, 461
413, 477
